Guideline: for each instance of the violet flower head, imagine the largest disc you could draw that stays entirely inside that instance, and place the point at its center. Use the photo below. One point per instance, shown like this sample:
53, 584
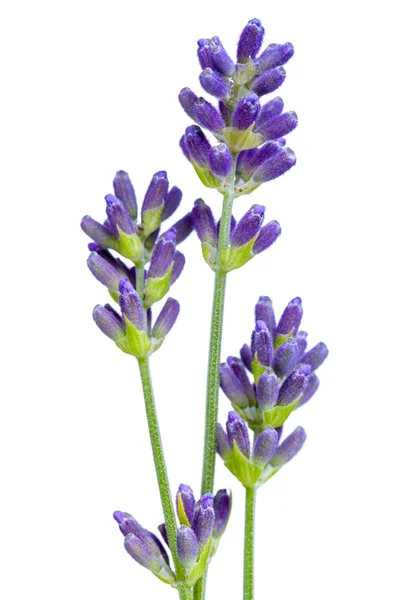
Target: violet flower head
282, 368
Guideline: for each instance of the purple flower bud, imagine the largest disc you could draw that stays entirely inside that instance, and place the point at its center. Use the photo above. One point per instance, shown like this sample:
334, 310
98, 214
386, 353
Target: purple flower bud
274, 55
246, 111
250, 40
267, 389
269, 81
250, 160
226, 112
204, 223
286, 357
221, 61
248, 226
309, 390
118, 216
247, 357
187, 545
163, 530
141, 552
100, 234
263, 344
222, 511
131, 305
172, 201
156, 192
104, 271
289, 447
214, 83
203, 519
184, 148
223, 447
128, 524
183, 228
179, 263
163, 255
208, 116
198, 145
187, 98
204, 53
267, 236
232, 387
301, 339
166, 319
240, 372
294, 385
221, 160
316, 356
264, 311
237, 431
265, 446
271, 109
109, 322
123, 189
279, 126
291, 318
186, 497
274, 167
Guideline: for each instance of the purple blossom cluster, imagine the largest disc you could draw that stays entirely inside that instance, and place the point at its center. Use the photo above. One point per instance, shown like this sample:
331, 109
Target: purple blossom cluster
282, 368
202, 525
244, 128
142, 243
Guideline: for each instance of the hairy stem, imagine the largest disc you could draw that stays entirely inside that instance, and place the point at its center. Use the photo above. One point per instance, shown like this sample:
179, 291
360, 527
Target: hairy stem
185, 593
214, 355
248, 555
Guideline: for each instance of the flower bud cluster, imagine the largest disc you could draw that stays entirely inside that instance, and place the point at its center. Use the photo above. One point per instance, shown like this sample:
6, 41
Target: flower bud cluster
253, 466
248, 237
202, 524
282, 368
242, 126
142, 243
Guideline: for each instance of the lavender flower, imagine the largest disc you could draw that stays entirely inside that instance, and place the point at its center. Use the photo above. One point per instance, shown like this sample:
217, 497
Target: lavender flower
282, 370
250, 40
124, 191
214, 83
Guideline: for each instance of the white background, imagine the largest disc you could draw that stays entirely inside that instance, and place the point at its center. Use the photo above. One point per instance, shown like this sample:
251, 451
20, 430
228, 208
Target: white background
89, 88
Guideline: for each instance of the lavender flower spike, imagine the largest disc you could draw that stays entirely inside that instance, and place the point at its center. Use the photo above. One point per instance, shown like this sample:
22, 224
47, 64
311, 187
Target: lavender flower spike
109, 322
166, 319
248, 226
289, 447
222, 511
203, 519
131, 305
188, 546
250, 40
265, 446
124, 191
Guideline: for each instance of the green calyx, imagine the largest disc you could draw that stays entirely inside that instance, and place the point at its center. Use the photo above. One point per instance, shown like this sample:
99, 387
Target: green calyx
247, 471
135, 341
235, 257
239, 139
151, 220
130, 246
156, 288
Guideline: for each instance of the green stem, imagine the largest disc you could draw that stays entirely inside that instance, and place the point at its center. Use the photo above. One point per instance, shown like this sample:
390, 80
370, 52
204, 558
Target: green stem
214, 355
248, 556
139, 274
162, 476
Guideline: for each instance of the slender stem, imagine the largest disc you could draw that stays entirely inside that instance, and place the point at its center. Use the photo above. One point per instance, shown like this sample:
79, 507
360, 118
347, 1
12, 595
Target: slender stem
214, 356
139, 275
161, 472
248, 555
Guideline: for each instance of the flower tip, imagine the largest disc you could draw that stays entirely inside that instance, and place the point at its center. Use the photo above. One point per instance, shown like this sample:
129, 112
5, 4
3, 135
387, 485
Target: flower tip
125, 286
119, 516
